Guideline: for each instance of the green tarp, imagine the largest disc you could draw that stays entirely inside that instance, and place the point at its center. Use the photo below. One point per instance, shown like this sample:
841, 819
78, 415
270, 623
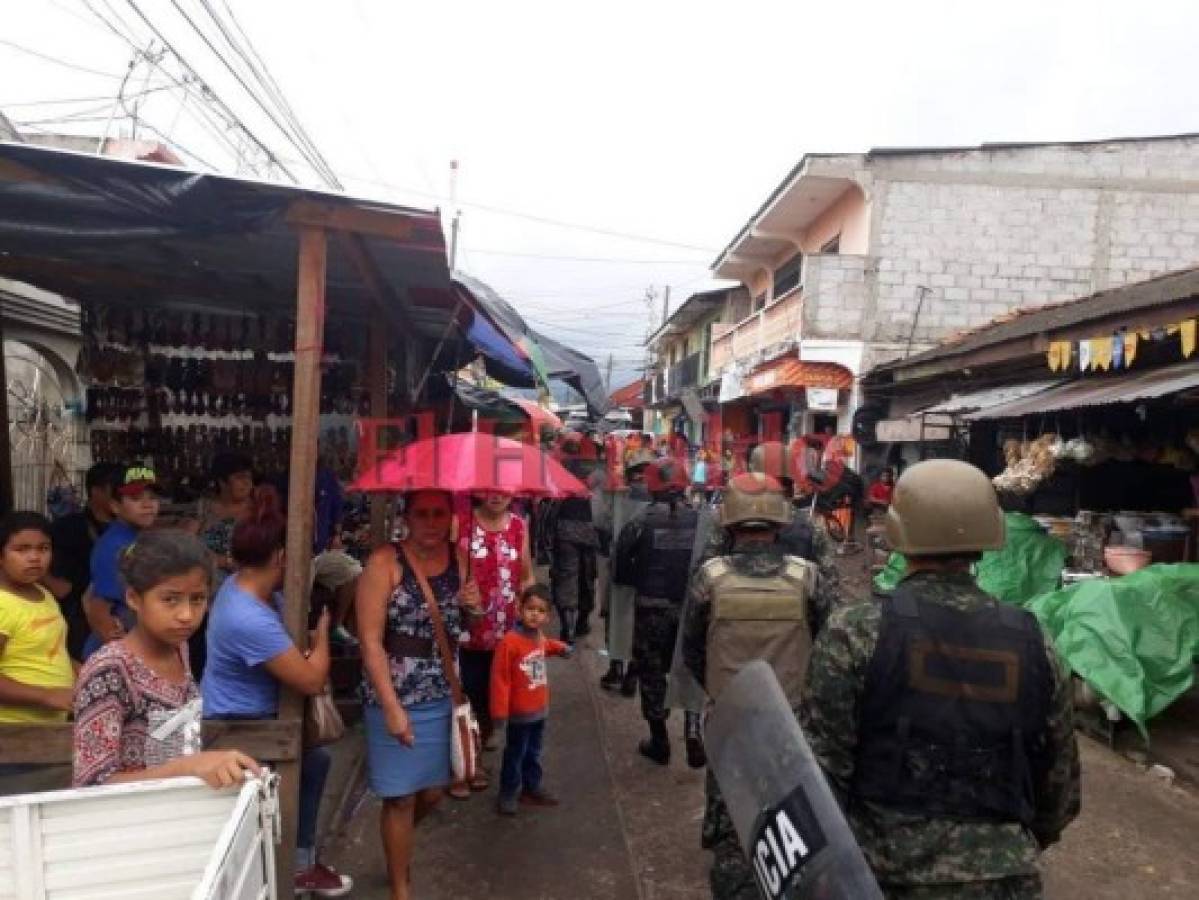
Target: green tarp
1134, 639
1029, 564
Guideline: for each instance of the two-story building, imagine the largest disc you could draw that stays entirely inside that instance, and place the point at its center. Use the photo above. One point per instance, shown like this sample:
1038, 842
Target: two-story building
857, 259
681, 384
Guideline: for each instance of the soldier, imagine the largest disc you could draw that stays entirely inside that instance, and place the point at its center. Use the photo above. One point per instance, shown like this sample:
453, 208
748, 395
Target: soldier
620, 677
754, 601
575, 543
943, 718
800, 537
653, 555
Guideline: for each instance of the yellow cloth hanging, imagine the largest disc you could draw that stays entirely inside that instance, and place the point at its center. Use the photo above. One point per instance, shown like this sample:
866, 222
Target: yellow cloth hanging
1057, 358
1101, 353
1130, 348
1188, 337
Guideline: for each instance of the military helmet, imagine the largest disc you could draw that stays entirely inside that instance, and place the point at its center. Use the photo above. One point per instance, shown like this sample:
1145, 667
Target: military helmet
755, 498
665, 477
942, 507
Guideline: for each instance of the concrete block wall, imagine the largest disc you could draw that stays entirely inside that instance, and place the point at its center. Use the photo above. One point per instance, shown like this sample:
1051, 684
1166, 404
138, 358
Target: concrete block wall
835, 295
988, 231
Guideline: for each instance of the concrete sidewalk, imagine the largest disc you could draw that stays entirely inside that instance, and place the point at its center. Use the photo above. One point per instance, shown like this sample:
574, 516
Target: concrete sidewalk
578, 850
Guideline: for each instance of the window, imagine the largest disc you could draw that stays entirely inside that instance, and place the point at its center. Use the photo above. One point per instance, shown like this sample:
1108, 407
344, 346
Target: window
787, 276
833, 246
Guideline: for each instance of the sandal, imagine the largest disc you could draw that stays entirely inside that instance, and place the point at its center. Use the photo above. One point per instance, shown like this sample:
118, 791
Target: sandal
479, 783
459, 791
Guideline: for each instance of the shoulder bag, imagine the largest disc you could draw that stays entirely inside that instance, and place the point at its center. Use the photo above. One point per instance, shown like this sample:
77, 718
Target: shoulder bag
465, 745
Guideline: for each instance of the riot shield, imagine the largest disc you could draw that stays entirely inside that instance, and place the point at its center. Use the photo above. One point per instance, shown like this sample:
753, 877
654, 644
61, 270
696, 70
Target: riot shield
789, 824
621, 598
683, 691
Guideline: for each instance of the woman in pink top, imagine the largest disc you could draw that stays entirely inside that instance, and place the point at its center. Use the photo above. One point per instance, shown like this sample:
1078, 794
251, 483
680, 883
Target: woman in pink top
496, 543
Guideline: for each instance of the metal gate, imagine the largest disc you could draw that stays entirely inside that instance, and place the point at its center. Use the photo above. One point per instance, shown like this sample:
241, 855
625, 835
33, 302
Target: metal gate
42, 431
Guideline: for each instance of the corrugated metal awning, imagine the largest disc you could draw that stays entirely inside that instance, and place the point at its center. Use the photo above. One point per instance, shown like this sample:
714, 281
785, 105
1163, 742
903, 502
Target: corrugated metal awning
985, 399
1099, 391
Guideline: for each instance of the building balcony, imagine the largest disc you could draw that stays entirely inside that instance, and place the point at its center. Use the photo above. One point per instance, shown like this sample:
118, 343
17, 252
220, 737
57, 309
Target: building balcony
830, 303
668, 384
759, 336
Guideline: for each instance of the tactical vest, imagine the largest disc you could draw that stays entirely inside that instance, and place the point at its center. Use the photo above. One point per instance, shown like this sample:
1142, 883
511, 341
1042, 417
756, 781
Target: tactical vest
954, 716
759, 617
664, 552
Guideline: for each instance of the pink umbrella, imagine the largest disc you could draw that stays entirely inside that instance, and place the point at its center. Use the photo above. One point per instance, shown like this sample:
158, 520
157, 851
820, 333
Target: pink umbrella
472, 461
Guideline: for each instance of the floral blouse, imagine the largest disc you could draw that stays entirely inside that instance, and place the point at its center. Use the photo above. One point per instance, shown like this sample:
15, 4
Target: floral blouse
495, 562
420, 679
128, 717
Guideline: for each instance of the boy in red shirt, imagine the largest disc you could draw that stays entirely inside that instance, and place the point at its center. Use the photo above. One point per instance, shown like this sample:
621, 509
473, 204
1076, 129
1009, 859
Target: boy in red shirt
520, 697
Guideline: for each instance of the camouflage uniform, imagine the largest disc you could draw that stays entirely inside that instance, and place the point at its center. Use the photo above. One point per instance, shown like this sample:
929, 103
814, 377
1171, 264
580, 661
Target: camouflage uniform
654, 632
731, 876
916, 856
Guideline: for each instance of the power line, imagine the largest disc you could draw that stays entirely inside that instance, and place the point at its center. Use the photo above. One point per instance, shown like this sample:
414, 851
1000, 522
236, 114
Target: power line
59, 62
262, 74
306, 149
590, 259
534, 217
207, 92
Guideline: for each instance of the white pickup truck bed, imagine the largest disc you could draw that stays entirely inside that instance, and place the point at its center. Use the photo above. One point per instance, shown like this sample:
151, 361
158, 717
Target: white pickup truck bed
175, 838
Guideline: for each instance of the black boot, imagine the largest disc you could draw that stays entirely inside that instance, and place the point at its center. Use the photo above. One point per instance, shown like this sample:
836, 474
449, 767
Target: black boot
613, 678
583, 625
696, 757
628, 687
567, 619
657, 748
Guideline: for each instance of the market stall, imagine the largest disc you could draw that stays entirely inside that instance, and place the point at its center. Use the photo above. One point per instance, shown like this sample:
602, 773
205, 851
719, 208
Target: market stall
225, 313
1086, 415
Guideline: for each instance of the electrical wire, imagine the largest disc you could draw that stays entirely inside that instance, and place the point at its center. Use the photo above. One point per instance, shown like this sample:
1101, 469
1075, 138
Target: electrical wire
313, 156
210, 93
534, 217
57, 61
262, 73
591, 259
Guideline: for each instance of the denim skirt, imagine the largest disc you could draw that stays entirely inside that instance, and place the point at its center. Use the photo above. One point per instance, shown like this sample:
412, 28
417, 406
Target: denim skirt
394, 770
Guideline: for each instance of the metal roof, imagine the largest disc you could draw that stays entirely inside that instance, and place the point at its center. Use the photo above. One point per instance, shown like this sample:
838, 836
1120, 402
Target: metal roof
127, 233
1159, 291
1101, 390
690, 311
985, 399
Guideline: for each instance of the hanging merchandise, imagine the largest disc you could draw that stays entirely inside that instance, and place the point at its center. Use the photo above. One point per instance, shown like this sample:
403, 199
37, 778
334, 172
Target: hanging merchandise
1101, 353
1060, 356
177, 389
1131, 338
1084, 355
1117, 351
1187, 330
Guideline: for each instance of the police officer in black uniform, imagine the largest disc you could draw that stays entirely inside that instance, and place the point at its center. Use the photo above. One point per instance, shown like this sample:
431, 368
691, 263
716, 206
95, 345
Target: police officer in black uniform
653, 555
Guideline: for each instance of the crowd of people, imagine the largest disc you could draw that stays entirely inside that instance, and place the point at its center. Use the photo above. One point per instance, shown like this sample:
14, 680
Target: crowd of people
167, 626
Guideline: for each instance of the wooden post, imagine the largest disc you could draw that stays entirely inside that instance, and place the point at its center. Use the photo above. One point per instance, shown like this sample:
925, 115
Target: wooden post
6, 489
306, 408
377, 380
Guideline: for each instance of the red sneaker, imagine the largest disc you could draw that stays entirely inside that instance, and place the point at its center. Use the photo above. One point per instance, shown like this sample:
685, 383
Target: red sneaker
323, 881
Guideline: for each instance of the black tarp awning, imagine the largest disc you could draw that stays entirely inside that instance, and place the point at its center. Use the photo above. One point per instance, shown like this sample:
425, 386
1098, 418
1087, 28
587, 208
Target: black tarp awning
559, 361
127, 233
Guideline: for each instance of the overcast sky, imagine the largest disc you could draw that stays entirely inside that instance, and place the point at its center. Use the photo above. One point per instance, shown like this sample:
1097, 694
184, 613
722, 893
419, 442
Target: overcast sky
658, 120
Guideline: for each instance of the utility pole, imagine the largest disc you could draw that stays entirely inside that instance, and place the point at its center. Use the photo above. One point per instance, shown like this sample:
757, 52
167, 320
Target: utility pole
454, 223
608, 375
666, 305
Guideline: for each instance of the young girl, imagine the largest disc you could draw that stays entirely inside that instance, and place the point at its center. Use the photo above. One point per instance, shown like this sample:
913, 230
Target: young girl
496, 542
137, 707
35, 668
